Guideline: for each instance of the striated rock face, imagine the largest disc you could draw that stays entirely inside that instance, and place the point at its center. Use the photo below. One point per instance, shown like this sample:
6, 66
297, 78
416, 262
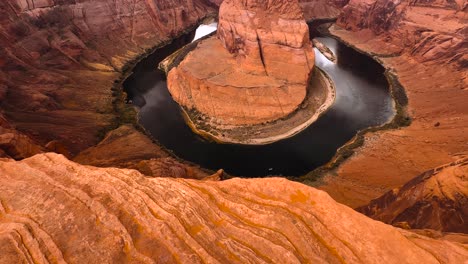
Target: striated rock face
52, 209
255, 71
437, 199
267, 37
424, 44
59, 60
432, 30
322, 9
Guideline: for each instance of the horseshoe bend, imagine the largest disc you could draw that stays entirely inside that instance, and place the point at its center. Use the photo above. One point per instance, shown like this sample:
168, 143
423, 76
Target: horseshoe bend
255, 71
335, 105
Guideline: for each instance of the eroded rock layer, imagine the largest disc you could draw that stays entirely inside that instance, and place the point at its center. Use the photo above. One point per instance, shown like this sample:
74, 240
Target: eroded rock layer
54, 210
424, 44
437, 199
322, 9
59, 60
255, 71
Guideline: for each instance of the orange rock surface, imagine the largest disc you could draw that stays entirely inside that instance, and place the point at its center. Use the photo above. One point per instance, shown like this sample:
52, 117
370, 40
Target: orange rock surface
422, 43
54, 210
255, 71
437, 199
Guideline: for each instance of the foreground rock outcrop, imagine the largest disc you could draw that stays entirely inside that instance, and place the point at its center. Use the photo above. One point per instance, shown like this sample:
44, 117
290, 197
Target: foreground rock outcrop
424, 44
59, 60
437, 199
255, 71
54, 210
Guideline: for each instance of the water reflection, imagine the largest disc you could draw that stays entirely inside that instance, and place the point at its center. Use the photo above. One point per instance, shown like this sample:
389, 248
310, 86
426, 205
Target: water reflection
362, 100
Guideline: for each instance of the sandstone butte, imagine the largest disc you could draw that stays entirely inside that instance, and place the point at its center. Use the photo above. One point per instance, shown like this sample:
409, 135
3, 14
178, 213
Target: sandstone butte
55, 210
255, 70
436, 199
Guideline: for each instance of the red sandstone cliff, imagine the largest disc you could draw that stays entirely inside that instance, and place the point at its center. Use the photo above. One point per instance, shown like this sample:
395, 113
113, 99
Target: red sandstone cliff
59, 60
424, 44
54, 210
428, 30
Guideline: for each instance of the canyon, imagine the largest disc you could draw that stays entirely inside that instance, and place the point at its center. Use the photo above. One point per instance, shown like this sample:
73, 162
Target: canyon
406, 37
125, 198
258, 73
57, 58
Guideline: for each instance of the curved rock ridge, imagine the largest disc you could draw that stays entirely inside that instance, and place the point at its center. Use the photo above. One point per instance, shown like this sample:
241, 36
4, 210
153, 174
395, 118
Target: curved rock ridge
255, 71
437, 199
54, 210
59, 60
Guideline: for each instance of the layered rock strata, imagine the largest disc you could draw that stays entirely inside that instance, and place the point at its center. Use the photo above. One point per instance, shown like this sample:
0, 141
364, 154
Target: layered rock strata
322, 9
437, 199
424, 44
255, 71
54, 210
59, 60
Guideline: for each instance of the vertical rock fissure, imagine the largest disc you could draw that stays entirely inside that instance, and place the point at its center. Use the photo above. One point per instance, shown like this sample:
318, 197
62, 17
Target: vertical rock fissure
261, 53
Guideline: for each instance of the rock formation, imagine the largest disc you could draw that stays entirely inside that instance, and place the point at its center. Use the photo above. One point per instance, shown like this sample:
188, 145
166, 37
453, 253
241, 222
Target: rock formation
437, 199
424, 44
316, 9
54, 210
136, 151
322, 9
59, 60
255, 71
14, 144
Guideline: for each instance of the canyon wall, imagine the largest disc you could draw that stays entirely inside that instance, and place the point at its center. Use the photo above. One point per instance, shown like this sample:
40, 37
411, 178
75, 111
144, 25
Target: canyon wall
437, 199
54, 210
59, 60
322, 9
423, 44
316, 9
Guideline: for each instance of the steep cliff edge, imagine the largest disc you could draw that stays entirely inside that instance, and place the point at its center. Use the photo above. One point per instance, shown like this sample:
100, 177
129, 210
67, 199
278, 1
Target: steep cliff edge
424, 44
54, 210
59, 60
437, 199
